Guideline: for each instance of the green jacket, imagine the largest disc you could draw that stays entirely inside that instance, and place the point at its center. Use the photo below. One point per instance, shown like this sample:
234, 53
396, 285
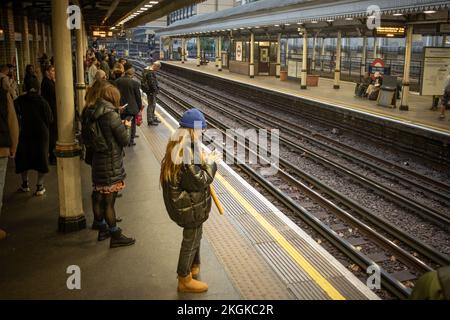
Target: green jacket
434, 285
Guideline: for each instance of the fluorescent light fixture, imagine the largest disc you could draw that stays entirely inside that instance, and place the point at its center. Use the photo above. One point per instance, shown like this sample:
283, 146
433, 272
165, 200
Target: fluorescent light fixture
299, 23
397, 14
148, 6
153, 2
314, 21
277, 25
429, 11
330, 20
287, 24
349, 18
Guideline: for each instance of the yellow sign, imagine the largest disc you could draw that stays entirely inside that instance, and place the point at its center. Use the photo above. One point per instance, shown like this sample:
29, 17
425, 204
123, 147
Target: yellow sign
390, 32
102, 34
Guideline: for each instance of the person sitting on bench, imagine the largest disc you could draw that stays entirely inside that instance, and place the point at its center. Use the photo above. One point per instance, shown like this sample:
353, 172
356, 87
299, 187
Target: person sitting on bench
445, 97
374, 87
361, 88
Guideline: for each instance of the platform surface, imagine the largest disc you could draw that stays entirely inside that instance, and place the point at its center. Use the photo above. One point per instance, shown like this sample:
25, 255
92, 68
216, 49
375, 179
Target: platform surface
419, 112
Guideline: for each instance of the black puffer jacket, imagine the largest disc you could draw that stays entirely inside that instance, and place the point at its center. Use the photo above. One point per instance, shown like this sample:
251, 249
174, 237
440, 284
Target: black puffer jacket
107, 167
188, 201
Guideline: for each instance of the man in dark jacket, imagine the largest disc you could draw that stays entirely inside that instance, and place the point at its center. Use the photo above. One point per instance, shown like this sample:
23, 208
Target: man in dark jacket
49, 94
131, 97
151, 89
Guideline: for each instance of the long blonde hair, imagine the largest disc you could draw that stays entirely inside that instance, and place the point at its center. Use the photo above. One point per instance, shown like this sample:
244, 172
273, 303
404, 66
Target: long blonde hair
178, 152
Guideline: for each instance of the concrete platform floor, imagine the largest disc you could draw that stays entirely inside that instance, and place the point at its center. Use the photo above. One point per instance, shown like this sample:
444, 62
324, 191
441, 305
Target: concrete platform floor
34, 257
419, 106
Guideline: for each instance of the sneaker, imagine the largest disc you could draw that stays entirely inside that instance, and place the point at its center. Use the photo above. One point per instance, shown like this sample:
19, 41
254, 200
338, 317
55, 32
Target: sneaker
25, 187
136, 136
40, 191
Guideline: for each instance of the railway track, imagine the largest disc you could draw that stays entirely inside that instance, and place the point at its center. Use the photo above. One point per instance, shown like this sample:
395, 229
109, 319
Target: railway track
441, 219
317, 194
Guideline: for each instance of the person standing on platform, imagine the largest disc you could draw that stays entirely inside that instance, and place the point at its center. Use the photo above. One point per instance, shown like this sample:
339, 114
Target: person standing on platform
9, 137
445, 97
150, 87
35, 117
49, 94
131, 98
106, 135
186, 176
30, 76
5, 81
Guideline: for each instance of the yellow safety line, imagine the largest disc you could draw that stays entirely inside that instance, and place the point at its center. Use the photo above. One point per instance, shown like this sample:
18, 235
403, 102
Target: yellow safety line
332, 292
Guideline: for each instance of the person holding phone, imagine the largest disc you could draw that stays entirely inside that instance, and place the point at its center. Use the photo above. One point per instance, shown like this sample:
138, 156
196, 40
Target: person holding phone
185, 180
108, 172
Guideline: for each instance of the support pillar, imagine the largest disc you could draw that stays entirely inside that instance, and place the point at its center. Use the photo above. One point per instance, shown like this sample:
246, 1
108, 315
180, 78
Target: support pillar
216, 50
220, 53
252, 55
322, 54
375, 47
313, 62
278, 65
80, 85
36, 45
304, 60
25, 40
198, 52
50, 44
183, 50
8, 32
337, 70
364, 56
405, 83
44, 39
71, 216
170, 48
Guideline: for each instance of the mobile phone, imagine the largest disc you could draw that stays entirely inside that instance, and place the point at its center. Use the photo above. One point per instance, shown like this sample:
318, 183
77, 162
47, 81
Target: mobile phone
124, 106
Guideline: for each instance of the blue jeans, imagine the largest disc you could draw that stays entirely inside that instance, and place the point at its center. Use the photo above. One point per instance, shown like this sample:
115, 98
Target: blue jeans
3, 166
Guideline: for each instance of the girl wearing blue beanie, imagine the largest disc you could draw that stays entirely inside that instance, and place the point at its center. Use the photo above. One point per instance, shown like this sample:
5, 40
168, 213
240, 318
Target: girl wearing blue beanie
186, 175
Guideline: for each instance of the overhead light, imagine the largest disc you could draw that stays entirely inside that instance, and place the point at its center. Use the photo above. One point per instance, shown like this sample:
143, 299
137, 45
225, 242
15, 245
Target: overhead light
314, 21
153, 2
429, 11
349, 18
397, 14
277, 25
287, 24
299, 23
330, 20
144, 9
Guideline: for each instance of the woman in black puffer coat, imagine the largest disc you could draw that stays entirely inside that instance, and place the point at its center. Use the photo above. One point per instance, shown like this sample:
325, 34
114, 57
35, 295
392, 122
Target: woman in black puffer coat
186, 180
106, 135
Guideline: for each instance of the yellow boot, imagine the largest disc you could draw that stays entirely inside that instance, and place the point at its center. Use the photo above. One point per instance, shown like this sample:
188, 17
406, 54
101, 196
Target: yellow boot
2, 234
195, 270
187, 284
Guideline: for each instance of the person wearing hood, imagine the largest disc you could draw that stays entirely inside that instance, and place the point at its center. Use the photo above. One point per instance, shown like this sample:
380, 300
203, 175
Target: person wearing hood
106, 135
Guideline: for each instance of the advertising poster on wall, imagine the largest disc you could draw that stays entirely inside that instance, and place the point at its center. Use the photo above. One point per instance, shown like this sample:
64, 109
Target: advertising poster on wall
239, 51
436, 68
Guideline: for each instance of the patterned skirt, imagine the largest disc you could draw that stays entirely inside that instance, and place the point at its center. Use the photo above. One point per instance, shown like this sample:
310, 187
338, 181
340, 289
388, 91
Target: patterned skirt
116, 187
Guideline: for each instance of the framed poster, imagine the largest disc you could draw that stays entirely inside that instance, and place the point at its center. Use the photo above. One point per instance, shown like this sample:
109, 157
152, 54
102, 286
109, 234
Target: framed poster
264, 55
239, 51
436, 68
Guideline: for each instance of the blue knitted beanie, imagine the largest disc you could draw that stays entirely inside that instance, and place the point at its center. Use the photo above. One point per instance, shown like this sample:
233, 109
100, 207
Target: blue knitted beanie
193, 117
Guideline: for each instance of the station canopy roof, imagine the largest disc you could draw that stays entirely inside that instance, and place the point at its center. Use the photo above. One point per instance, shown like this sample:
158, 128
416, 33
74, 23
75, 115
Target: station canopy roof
108, 13
324, 16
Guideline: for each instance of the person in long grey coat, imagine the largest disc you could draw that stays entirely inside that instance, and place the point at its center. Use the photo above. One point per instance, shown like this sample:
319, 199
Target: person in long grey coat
35, 117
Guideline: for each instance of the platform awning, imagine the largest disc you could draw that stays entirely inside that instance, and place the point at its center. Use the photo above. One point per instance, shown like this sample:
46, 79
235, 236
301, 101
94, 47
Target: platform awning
270, 13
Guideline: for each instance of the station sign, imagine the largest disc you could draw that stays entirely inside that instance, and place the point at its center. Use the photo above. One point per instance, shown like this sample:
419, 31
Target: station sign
391, 32
102, 34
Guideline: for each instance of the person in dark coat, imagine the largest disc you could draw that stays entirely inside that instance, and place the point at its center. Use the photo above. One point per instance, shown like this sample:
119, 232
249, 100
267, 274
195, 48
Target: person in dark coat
186, 180
35, 116
49, 94
131, 95
30, 76
108, 172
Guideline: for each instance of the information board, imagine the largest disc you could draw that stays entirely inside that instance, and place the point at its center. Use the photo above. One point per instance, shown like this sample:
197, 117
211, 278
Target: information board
239, 51
436, 68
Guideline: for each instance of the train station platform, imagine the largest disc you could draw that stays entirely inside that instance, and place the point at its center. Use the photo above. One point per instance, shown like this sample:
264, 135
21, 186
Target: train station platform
252, 252
419, 112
